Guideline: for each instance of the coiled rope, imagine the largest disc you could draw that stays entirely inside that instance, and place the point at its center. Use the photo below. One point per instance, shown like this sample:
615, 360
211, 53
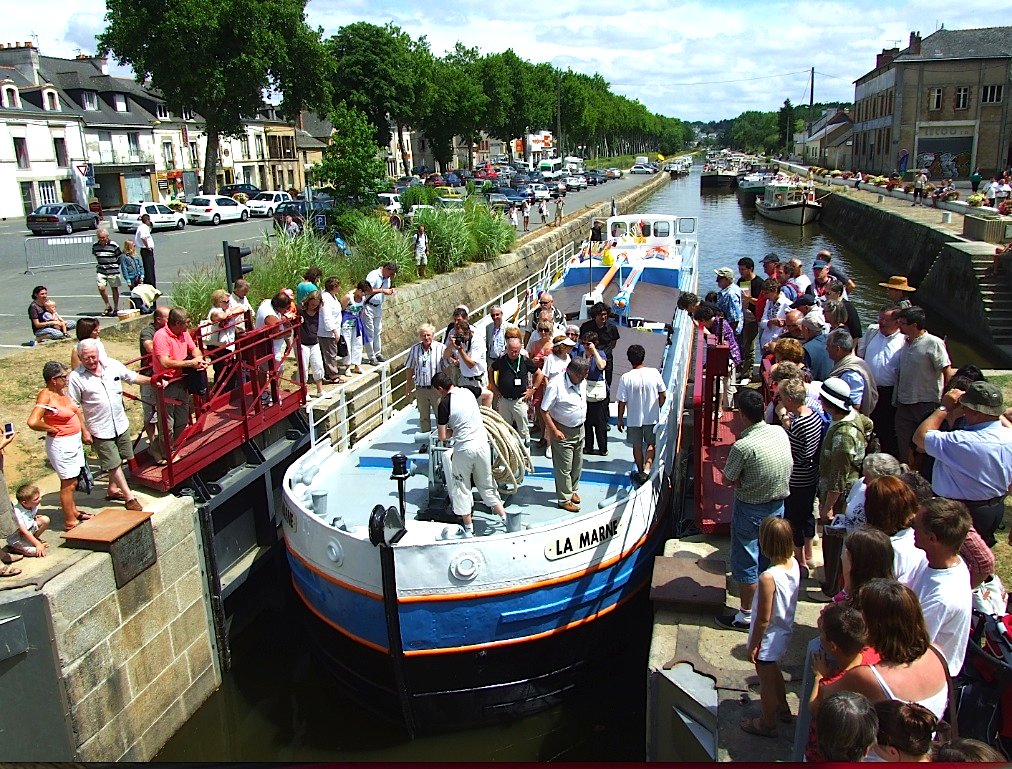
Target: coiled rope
510, 460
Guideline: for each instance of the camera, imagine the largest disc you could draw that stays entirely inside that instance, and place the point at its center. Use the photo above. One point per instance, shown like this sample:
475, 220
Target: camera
460, 339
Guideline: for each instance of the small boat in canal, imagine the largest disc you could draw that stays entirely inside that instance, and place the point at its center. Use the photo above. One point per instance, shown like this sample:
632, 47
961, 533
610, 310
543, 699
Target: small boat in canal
789, 202
718, 175
444, 631
751, 186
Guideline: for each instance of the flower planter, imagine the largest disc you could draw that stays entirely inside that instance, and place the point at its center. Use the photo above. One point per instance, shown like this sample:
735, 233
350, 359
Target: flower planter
990, 229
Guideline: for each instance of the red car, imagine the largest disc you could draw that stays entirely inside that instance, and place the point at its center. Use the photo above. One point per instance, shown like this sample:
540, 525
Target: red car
434, 180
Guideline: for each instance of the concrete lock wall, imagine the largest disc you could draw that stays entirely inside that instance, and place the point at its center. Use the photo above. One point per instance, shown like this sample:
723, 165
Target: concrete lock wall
136, 661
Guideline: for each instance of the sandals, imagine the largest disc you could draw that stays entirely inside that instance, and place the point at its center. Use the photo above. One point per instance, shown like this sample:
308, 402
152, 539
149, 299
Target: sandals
8, 558
109, 313
115, 496
9, 571
82, 517
755, 726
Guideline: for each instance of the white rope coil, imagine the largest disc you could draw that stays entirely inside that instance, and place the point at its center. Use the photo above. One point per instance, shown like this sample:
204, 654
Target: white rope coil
510, 460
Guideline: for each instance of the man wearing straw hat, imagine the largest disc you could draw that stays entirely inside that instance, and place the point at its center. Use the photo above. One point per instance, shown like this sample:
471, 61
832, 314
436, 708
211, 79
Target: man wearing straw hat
899, 290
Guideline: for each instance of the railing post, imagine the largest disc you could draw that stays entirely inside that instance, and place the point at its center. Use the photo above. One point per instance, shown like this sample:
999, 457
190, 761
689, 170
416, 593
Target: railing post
385, 393
343, 440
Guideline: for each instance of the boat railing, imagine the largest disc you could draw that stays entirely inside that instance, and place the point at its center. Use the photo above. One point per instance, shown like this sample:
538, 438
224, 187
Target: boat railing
711, 366
343, 416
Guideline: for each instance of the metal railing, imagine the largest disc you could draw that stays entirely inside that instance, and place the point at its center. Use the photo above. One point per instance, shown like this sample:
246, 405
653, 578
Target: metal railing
58, 251
343, 415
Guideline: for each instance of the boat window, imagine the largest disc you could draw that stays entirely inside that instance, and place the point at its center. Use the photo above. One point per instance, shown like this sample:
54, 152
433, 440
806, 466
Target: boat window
686, 226
618, 229
662, 229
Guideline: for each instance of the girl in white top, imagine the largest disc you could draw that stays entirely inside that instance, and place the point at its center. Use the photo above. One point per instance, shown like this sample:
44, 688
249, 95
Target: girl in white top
556, 363
773, 608
353, 325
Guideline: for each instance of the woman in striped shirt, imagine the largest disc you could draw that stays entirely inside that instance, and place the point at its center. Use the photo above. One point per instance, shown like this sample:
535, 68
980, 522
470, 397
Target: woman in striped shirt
804, 430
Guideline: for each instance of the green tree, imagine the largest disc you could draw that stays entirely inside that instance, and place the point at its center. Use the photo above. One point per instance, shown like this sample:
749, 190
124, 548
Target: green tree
785, 123
458, 103
351, 162
217, 58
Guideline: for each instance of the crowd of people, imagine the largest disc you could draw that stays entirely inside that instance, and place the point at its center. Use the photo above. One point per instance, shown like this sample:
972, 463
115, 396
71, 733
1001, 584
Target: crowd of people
904, 463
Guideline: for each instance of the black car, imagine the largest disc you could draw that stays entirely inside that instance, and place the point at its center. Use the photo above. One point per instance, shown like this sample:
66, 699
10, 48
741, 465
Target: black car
318, 212
231, 190
595, 177
519, 180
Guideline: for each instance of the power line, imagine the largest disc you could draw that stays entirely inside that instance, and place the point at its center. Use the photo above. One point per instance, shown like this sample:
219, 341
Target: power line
833, 77
714, 82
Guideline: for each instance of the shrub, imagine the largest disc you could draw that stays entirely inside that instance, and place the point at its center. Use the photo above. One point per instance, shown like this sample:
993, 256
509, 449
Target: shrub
908, 187
417, 195
373, 242
976, 200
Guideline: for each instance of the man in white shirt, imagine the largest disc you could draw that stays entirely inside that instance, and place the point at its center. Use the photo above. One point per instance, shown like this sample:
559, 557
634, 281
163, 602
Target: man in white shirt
564, 410
495, 335
774, 317
238, 304
145, 245
379, 279
466, 352
943, 588
424, 361
880, 347
641, 392
329, 329
458, 416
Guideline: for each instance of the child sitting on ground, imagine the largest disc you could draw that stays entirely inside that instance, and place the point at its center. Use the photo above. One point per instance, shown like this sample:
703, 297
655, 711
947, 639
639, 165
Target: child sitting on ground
52, 316
844, 636
773, 608
130, 265
31, 523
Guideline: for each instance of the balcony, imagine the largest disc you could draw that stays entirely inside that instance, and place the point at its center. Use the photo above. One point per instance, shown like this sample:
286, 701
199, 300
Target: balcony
114, 157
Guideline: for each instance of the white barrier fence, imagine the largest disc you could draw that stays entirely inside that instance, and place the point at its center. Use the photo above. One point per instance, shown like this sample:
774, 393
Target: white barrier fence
56, 252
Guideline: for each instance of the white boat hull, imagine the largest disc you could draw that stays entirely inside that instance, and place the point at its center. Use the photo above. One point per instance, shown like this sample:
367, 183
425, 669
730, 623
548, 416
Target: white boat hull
801, 213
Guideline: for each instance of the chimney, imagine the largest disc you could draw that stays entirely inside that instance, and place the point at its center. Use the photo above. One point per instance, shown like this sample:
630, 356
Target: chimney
886, 57
23, 57
915, 43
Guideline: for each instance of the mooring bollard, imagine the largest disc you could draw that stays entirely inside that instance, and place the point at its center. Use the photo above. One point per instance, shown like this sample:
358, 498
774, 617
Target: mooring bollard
946, 217
879, 198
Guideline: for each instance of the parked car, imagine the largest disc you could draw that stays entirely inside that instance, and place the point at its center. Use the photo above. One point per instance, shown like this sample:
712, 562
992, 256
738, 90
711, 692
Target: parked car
450, 204
389, 202
162, 217
61, 217
434, 180
301, 211
420, 208
641, 168
249, 190
265, 202
512, 195
595, 178
614, 173
449, 192
215, 209
575, 182
497, 198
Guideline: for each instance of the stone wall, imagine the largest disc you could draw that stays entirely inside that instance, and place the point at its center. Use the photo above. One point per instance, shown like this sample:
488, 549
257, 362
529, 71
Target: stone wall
433, 300
891, 244
137, 661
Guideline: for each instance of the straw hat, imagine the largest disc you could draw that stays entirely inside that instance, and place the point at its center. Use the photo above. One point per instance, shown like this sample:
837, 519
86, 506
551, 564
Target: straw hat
898, 282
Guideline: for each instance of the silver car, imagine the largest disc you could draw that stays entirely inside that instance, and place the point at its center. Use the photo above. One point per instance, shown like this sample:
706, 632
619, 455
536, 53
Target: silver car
58, 218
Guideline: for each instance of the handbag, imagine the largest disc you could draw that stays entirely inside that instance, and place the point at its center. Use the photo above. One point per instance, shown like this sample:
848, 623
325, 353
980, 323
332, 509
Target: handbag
342, 347
597, 391
85, 480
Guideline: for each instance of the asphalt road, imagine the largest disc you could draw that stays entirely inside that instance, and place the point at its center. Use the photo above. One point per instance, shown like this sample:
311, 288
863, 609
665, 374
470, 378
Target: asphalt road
74, 289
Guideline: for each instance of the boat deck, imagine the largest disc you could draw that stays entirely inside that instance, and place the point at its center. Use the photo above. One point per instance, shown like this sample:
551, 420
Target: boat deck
713, 509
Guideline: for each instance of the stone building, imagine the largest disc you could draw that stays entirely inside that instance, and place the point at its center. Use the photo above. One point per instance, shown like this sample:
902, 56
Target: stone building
941, 103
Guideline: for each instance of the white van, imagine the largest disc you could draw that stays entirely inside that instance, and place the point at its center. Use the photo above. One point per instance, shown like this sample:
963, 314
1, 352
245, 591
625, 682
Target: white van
642, 159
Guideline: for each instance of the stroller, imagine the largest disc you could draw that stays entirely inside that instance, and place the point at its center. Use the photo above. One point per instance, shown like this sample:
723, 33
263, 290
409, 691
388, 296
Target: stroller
983, 691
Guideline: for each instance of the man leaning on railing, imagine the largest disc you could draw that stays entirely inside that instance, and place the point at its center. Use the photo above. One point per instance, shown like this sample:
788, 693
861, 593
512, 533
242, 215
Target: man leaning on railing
173, 350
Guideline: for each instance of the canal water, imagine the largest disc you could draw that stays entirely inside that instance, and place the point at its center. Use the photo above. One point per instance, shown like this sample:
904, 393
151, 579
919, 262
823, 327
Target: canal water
276, 704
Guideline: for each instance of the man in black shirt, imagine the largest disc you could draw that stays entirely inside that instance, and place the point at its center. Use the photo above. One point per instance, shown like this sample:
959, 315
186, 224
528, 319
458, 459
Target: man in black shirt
607, 335
510, 379
751, 286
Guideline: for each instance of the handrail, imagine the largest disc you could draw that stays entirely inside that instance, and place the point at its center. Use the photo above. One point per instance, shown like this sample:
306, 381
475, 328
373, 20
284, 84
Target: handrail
332, 423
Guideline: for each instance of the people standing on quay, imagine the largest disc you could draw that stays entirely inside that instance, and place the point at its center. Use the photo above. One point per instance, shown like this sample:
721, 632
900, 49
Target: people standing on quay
145, 243
920, 183
751, 286
107, 255
514, 217
42, 329
173, 348
560, 207
923, 368
380, 287
96, 386
329, 330
880, 348
759, 467
975, 179
61, 419
421, 250
526, 209
543, 211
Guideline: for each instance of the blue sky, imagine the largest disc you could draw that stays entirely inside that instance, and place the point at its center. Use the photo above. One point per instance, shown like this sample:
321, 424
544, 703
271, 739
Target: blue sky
692, 60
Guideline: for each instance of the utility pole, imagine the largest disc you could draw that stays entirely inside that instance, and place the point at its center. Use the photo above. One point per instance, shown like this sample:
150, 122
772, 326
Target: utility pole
811, 102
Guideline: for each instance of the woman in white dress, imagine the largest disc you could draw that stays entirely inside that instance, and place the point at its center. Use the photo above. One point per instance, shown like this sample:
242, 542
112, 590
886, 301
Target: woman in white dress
353, 325
56, 415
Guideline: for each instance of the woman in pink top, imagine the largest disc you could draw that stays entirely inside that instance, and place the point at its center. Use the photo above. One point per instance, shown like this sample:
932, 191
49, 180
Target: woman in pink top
61, 419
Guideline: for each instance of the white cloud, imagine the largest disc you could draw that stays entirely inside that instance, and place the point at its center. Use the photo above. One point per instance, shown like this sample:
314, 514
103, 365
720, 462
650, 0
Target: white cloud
669, 55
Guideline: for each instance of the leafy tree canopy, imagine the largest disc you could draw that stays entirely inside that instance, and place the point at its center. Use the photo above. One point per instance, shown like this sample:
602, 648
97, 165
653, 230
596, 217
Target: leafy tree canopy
350, 163
197, 55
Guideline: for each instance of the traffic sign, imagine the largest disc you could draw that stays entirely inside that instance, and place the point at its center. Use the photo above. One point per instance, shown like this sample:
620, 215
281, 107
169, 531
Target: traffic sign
83, 169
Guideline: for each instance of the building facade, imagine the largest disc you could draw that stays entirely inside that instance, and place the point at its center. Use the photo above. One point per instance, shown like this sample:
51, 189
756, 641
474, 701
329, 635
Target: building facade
942, 103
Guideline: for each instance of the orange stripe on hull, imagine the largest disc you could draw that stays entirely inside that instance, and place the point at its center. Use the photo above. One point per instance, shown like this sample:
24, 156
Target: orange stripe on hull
334, 580
338, 628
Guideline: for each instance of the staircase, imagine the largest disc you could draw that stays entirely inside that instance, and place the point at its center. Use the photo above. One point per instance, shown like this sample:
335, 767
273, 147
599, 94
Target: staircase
997, 299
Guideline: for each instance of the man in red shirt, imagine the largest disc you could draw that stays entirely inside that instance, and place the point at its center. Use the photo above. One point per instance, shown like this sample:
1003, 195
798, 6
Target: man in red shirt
174, 348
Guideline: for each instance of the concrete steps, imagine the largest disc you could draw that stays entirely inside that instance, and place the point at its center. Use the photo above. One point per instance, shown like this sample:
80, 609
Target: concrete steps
996, 298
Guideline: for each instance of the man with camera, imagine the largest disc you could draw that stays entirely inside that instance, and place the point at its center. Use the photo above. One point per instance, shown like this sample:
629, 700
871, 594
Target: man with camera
467, 353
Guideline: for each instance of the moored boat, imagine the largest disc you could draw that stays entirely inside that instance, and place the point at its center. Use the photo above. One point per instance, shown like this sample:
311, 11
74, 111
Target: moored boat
789, 202
752, 185
718, 175
445, 631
